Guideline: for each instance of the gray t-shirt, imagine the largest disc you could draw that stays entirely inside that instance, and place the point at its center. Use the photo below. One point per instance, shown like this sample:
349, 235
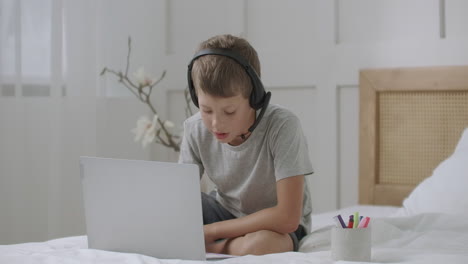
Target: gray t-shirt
245, 176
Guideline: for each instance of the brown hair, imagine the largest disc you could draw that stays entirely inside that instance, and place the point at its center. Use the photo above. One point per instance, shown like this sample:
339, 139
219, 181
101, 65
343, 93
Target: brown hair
222, 76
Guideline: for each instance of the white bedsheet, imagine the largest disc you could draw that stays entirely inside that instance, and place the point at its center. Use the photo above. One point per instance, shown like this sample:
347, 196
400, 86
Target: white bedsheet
425, 238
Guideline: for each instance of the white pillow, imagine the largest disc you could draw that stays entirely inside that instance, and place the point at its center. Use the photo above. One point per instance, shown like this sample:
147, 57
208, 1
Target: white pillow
446, 191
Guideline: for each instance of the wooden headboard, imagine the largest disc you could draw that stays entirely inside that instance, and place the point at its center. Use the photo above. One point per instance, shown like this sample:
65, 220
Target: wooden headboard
410, 121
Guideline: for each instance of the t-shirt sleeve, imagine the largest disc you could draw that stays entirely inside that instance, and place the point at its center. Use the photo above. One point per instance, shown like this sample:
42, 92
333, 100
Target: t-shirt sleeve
188, 149
290, 150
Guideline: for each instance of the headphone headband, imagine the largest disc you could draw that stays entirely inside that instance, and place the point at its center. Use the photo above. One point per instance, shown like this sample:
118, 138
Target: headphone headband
222, 52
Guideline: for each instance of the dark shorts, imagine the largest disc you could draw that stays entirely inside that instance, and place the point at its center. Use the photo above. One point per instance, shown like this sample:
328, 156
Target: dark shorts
213, 212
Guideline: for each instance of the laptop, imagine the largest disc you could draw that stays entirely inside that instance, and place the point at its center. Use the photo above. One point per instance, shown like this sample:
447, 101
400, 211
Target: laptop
144, 207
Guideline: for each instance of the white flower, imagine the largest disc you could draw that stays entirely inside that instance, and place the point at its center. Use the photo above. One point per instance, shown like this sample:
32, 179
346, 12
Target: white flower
145, 129
141, 77
149, 137
168, 123
140, 129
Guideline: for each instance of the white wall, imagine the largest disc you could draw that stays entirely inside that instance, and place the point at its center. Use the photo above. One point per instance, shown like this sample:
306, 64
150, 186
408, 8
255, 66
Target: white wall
310, 50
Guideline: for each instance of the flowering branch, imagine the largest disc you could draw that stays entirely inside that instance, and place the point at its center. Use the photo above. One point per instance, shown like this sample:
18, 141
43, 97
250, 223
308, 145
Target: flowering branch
142, 88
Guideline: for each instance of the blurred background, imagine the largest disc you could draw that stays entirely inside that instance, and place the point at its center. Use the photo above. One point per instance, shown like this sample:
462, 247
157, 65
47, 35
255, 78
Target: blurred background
55, 106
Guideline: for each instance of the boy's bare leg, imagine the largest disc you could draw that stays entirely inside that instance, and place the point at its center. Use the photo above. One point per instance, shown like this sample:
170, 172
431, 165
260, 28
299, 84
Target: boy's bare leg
257, 243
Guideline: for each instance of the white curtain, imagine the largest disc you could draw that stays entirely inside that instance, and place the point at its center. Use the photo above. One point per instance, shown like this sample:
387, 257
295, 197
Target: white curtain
54, 106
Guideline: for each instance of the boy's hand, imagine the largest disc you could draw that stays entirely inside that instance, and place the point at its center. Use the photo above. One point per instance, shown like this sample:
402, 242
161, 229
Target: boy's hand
210, 234
212, 243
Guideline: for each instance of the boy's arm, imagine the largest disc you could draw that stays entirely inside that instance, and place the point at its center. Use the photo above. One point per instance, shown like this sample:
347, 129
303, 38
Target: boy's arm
283, 218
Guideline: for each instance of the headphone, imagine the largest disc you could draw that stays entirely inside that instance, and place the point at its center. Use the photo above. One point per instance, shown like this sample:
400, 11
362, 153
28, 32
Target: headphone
259, 98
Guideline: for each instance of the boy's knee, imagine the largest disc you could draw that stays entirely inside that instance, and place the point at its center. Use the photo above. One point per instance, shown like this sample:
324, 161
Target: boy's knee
252, 244
260, 243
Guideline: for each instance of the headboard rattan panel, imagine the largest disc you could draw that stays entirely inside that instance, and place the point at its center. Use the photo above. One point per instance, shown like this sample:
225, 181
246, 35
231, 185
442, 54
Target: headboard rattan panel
410, 120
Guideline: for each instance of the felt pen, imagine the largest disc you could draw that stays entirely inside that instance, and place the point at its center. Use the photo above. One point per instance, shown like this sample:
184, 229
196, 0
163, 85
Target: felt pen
364, 223
361, 221
339, 221
351, 222
356, 219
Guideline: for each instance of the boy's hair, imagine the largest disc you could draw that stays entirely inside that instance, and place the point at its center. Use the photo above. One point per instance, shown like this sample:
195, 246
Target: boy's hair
222, 76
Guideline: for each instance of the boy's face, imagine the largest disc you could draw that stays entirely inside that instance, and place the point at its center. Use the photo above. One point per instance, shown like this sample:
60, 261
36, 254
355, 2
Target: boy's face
226, 117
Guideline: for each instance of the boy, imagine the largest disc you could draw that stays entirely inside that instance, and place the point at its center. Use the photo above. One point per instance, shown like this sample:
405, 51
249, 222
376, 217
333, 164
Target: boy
254, 152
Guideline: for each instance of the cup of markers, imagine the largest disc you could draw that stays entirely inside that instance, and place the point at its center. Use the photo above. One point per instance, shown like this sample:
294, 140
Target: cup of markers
351, 240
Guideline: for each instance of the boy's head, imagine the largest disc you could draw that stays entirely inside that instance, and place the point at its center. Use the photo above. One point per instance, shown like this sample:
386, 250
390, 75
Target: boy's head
221, 76
223, 88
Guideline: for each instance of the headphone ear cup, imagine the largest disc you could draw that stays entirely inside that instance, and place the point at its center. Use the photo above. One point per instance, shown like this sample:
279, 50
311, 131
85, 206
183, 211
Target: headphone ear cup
257, 96
191, 88
194, 97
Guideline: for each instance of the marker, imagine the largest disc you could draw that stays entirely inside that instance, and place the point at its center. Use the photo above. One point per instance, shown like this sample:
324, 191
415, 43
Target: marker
356, 221
364, 223
350, 223
339, 221
361, 222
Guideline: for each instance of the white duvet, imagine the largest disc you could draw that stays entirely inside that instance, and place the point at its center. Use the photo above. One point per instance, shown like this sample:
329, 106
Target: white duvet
425, 238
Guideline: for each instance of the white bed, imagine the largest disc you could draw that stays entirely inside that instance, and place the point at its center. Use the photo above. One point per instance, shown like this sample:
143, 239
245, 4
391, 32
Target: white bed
74, 249
429, 226
423, 238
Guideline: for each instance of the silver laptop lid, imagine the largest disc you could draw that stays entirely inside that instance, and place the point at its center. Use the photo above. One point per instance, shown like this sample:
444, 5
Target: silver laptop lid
146, 207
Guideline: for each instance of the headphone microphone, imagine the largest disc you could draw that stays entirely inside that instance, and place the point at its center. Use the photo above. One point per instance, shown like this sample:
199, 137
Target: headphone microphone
259, 98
